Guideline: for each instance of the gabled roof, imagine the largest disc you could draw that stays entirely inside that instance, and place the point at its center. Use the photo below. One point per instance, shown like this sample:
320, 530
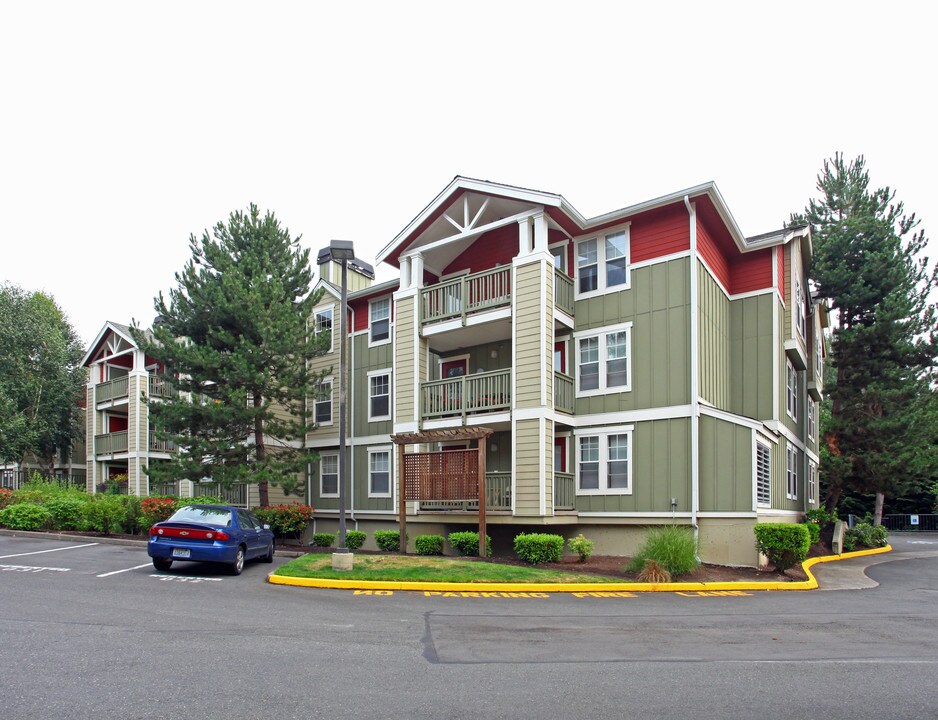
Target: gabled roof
121, 330
556, 206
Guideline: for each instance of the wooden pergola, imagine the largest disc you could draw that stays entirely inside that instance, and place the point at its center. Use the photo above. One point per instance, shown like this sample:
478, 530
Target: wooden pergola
457, 475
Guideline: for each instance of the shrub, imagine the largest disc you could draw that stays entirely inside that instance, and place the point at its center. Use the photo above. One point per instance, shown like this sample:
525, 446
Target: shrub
354, 539
388, 540
66, 512
537, 548
814, 531
865, 535
652, 572
785, 544
200, 500
428, 544
467, 543
819, 516
105, 513
581, 546
6, 497
671, 546
157, 509
25, 516
286, 520
133, 521
325, 539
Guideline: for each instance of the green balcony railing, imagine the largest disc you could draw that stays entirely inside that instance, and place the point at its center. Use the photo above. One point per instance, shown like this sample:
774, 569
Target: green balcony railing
563, 291
564, 491
157, 445
160, 386
564, 394
110, 443
111, 390
482, 392
473, 293
235, 494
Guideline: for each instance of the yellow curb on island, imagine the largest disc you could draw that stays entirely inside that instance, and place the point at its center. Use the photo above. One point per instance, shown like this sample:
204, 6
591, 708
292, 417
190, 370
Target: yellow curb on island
809, 584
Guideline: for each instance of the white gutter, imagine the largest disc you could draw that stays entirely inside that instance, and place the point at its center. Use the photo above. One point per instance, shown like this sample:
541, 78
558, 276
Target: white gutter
350, 404
694, 376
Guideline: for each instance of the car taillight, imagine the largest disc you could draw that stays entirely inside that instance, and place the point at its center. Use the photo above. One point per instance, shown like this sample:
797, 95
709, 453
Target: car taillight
220, 536
156, 531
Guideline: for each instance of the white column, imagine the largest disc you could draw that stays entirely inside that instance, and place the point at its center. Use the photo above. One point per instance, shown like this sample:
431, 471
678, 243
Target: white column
405, 273
524, 237
417, 270
540, 233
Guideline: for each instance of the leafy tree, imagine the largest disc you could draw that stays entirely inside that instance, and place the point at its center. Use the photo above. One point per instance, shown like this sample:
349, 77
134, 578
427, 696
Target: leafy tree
868, 262
41, 378
236, 335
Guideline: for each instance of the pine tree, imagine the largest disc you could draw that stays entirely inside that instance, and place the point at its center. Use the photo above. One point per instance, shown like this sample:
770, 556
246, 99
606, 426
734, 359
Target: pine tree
235, 334
868, 262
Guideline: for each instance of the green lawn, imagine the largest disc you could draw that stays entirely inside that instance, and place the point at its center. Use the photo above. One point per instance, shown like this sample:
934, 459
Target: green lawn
430, 569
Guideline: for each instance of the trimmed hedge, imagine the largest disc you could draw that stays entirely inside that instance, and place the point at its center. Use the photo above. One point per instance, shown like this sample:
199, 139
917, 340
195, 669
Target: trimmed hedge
466, 543
537, 548
387, 540
865, 535
25, 516
814, 530
785, 544
354, 539
325, 539
428, 544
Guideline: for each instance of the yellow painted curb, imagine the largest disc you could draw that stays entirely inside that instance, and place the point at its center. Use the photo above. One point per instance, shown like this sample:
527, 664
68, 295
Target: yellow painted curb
809, 584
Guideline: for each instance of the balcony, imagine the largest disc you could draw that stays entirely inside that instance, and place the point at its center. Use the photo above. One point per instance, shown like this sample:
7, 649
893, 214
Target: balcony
110, 443
564, 491
160, 386
111, 390
497, 497
466, 395
564, 394
563, 292
166, 446
466, 296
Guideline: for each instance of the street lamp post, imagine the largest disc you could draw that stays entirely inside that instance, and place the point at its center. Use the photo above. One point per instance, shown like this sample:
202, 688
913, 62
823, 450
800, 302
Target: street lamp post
341, 251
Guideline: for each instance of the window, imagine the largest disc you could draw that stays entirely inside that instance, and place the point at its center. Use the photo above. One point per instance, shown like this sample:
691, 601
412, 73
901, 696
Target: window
792, 385
379, 395
819, 357
379, 473
603, 360
603, 263
323, 404
792, 473
812, 420
812, 481
323, 324
329, 475
763, 474
560, 257
603, 465
800, 321
380, 321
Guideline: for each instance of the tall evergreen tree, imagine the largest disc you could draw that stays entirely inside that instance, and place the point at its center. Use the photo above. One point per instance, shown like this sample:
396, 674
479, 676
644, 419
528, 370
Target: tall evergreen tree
868, 262
236, 335
41, 378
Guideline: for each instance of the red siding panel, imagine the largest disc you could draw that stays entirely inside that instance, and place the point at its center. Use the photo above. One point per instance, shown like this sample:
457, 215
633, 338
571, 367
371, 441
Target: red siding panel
780, 251
750, 272
496, 247
713, 255
659, 233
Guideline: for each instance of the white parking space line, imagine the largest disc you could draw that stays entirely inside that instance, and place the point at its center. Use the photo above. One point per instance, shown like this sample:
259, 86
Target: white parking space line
184, 578
30, 569
39, 552
118, 572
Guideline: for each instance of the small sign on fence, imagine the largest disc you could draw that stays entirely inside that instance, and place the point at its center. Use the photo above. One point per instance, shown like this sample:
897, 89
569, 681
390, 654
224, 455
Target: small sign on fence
913, 519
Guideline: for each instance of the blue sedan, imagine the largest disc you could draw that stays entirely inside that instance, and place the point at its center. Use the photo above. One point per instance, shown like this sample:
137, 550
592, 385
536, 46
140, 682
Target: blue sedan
210, 533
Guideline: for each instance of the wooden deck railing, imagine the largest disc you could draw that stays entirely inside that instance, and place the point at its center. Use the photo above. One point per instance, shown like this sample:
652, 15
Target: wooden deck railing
497, 497
111, 390
563, 291
466, 295
482, 392
160, 386
564, 394
110, 443
564, 491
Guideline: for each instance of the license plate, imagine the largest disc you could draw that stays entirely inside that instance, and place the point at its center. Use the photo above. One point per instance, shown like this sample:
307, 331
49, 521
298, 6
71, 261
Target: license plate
181, 552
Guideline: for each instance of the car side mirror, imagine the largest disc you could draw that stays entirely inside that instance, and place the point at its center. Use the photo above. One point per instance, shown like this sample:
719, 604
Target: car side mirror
266, 526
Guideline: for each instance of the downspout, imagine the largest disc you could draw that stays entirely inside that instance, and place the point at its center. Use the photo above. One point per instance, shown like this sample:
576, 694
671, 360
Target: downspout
694, 379
351, 425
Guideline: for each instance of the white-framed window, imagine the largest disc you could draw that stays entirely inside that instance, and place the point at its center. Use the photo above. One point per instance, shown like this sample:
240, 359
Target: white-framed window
812, 481
602, 263
763, 474
559, 252
791, 471
812, 419
328, 475
800, 317
379, 395
603, 461
819, 356
379, 472
322, 405
379, 321
791, 406
322, 323
604, 360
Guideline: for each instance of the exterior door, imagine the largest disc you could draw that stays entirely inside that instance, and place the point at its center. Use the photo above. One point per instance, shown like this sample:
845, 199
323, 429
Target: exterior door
450, 369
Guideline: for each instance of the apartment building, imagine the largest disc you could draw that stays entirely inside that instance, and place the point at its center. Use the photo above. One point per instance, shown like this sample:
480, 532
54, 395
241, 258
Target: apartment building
650, 365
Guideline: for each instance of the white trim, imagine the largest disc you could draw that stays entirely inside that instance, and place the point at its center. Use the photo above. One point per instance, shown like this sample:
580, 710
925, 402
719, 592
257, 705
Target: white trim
600, 238
379, 373
780, 513
717, 514
660, 259
756, 504
332, 332
601, 335
662, 515
695, 364
371, 303
542, 468
336, 456
706, 409
451, 358
602, 435
331, 380
729, 296
672, 412
777, 351
374, 450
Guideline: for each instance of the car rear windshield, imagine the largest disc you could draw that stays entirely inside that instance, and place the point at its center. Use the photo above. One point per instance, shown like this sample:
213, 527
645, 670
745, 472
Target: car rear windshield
209, 515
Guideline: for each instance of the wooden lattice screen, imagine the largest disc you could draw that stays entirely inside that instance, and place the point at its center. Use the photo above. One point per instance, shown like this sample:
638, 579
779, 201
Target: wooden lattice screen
446, 475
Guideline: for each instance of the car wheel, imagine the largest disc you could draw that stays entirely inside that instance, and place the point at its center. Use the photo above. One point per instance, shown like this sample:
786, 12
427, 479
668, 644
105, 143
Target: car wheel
238, 565
269, 557
162, 564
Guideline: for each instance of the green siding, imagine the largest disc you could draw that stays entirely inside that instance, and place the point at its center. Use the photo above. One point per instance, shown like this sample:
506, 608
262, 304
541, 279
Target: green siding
480, 358
751, 349
363, 361
714, 327
657, 305
661, 453
726, 466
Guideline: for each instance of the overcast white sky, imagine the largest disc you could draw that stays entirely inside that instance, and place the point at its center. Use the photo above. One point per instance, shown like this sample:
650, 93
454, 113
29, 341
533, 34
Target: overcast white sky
124, 127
